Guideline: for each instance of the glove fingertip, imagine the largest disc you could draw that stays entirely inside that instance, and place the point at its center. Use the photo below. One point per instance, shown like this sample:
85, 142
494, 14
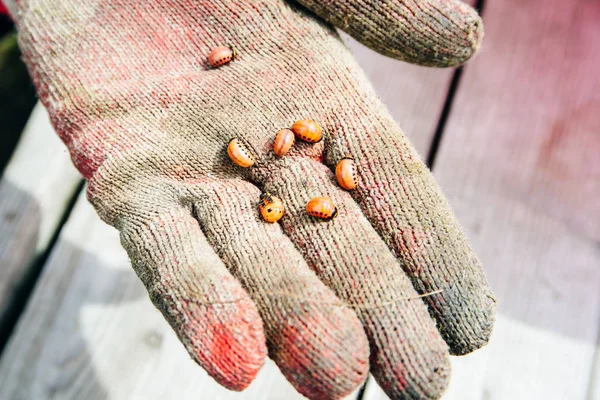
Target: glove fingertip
433, 33
231, 345
436, 34
480, 323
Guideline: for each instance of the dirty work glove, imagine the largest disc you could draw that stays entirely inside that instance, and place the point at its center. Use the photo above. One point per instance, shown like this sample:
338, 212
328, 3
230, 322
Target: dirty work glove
147, 123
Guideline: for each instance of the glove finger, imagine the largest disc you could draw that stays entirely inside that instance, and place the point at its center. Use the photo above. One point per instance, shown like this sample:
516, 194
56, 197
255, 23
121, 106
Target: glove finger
408, 357
400, 198
208, 309
317, 342
436, 33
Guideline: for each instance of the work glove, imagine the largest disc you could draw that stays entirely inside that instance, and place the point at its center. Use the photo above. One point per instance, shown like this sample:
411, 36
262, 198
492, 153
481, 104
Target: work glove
390, 285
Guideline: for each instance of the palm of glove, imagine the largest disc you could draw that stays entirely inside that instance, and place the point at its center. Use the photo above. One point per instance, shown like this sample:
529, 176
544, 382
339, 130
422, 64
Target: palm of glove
148, 123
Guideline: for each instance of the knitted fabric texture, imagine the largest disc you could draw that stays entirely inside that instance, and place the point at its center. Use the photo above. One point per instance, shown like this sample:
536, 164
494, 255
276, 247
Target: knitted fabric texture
147, 123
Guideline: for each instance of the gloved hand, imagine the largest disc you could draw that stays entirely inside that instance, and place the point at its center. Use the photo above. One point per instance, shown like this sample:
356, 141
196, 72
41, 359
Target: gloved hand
147, 123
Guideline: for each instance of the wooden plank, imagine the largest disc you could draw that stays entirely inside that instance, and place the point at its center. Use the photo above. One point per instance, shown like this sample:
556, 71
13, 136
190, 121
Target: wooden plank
35, 188
519, 161
594, 390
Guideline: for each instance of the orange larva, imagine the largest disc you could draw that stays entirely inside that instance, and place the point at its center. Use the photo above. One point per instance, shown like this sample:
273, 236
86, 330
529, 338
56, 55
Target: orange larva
239, 154
307, 130
271, 208
346, 175
321, 207
220, 56
283, 142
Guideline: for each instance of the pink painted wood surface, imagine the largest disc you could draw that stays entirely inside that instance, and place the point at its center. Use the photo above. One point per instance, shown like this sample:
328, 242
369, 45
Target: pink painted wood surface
520, 162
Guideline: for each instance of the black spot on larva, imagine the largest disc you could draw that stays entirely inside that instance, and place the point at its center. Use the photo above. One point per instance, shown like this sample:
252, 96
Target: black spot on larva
270, 209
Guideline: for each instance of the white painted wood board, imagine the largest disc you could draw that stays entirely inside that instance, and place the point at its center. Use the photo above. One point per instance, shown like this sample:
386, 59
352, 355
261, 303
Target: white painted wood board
35, 189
